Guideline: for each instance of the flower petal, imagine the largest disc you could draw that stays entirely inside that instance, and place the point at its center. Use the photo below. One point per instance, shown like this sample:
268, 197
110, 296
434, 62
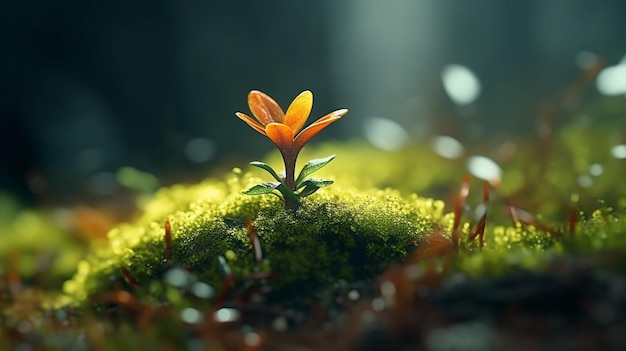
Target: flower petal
309, 132
281, 135
251, 122
299, 111
264, 108
333, 115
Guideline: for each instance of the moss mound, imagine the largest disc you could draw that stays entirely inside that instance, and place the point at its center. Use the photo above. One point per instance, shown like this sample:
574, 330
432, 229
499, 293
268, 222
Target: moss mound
338, 233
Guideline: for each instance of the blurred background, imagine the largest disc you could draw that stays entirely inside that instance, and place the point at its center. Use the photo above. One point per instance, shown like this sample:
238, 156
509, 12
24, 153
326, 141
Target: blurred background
89, 88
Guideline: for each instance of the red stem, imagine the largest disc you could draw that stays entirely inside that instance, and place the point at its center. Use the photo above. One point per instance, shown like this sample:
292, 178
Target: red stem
290, 170
459, 204
290, 181
168, 241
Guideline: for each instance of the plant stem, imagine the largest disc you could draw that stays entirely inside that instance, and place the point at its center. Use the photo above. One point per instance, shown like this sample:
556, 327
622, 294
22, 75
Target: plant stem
290, 183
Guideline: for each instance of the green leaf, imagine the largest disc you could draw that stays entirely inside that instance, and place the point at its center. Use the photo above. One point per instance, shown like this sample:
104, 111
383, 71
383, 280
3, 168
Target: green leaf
312, 185
288, 194
263, 188
269, 170
320, 183
311, 167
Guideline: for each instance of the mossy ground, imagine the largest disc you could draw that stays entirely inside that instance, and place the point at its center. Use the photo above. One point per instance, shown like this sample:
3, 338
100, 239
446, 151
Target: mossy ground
338, 233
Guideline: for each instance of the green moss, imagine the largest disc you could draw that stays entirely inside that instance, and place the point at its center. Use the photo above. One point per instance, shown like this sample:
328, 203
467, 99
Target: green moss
598, 236
507, 248
605, 229
338, 233
35, 246
349, 235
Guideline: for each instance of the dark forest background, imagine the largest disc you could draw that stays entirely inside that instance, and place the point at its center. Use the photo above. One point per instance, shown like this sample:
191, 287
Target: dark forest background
87, 87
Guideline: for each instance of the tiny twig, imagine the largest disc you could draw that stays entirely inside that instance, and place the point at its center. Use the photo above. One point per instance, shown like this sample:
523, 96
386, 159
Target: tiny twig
254, 239
480, 227
459, 204
167, 254
128, 277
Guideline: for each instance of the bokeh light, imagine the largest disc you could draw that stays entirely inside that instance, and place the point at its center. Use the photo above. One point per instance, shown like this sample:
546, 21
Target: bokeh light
612, 80
447, 147
385, 134
461, 84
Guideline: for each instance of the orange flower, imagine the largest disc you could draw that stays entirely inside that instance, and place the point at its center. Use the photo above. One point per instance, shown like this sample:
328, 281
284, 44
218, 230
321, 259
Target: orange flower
285, 129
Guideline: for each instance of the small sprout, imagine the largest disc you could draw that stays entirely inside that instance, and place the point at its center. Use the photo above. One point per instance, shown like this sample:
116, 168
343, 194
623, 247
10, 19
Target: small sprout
254, 240
572, 221
459, 204
285, 130
128, 277
167, 254
518, 215
479, 231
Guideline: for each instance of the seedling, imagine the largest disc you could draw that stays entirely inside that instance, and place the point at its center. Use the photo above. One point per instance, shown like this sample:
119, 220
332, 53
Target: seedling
285, 131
